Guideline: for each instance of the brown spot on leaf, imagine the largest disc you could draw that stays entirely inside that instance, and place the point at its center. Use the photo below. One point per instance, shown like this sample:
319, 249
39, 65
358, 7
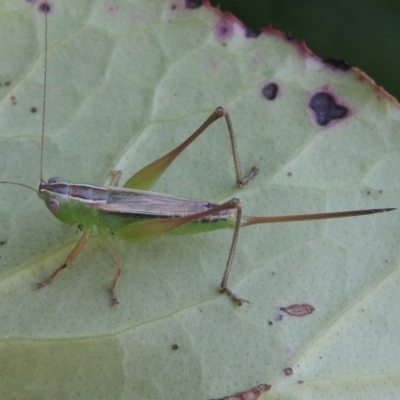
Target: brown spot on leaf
298, 310
33, 110
13, 100
175, 347
252, 394
288, 371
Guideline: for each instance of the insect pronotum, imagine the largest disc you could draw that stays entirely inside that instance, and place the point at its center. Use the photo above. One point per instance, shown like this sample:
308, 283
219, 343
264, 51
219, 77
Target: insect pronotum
133, 213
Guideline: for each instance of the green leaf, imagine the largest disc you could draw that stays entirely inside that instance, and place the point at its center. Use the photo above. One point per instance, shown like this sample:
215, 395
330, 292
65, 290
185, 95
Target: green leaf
125, 84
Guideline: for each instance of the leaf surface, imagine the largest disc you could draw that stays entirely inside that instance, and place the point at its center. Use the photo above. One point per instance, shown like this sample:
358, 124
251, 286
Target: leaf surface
130, 81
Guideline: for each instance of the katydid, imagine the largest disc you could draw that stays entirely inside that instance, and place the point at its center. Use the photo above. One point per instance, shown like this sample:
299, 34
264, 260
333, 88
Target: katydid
135, 214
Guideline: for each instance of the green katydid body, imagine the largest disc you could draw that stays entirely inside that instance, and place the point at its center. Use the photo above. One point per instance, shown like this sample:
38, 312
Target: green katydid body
124, 211
139, 215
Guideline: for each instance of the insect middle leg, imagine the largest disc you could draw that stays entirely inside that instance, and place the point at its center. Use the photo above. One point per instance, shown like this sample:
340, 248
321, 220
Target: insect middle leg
118, 272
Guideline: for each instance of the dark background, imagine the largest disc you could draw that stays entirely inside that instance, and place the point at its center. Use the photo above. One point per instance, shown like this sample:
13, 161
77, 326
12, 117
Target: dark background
366, 33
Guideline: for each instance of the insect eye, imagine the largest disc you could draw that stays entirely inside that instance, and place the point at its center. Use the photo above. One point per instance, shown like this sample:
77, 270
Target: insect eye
52, 204
55, 179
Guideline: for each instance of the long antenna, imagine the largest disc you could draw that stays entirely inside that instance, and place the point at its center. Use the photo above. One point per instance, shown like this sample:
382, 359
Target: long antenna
45, 8
20, 184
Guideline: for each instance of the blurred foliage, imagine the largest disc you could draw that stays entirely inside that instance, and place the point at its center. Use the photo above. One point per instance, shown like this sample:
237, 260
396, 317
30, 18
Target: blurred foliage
366, 33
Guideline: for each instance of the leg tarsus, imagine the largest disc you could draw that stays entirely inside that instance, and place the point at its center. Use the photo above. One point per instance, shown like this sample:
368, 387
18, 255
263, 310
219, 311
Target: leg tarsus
238, 300
253, 173
114, 299
40, 285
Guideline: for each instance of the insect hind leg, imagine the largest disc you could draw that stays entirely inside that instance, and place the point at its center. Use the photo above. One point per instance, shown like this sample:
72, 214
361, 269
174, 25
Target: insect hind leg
147, 176
234, 203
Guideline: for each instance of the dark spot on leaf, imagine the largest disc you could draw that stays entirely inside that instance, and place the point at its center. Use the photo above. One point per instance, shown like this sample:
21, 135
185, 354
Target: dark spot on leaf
368, 192
8, 83
33, 109
337, 63
381, 191
13, 100
44, 7
192, 4
224, 29
253, 33
279, 317
300, 382
288, 371
3, 242
270, 323
173, 7
175, 347
270, 91
326, 109
289, 174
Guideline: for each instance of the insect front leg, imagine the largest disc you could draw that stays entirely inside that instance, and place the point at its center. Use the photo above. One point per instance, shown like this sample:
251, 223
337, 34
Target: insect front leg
71, 257
148, 176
